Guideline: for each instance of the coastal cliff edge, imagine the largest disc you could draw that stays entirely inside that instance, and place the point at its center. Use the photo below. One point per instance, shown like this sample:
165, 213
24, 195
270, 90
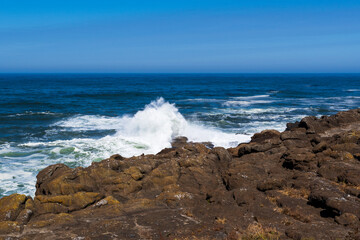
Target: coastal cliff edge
303, 183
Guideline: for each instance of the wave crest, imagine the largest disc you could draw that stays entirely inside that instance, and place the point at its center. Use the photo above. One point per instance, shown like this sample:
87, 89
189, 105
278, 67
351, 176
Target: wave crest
148, 131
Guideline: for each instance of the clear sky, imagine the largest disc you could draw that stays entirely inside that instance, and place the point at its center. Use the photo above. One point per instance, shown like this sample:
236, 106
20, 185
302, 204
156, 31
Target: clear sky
253, 36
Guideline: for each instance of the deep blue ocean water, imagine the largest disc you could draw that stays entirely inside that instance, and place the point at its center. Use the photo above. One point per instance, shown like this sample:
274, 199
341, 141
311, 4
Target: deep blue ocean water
79, 118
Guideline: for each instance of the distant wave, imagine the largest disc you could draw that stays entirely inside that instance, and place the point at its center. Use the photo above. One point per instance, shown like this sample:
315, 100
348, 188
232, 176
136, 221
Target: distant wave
252, 97
257, 111
202, 100
29, 113
248, 100
246, 103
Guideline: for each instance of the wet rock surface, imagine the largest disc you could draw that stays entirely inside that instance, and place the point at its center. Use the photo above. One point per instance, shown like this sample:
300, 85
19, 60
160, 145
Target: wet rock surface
303, 183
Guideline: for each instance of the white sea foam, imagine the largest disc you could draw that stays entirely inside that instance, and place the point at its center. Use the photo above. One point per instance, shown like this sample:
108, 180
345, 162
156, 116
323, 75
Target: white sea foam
256, 111
202, 100
29, 113
246, 103
252, 97
248, 100
250, 111
90, 122
148, 131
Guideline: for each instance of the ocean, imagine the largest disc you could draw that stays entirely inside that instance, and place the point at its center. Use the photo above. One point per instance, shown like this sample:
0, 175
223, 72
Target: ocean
80, 118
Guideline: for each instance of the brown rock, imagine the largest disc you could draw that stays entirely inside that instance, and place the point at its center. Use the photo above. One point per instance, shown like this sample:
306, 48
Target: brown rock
352, 148
299, 159
7, 227
24, 216
347, 219
179, 142
65, 203
271, 184
312, 125
265, 135
11, 206
343, 205
320, 147
302, 183
297, 134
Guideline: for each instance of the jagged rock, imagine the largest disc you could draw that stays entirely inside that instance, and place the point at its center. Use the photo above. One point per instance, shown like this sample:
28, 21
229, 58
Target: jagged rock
299, 159
301, 183
347, 219
11, 206
7, 227
271, 184
296, 134
320, 147
65, 203
265, 135
24, 216
343, 205
179, 142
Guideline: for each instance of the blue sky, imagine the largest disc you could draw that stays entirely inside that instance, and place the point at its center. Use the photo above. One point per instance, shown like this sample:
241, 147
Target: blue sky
255, 36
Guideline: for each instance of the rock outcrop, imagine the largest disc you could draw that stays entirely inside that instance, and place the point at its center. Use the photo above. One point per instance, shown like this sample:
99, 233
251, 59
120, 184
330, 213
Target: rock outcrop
303, 183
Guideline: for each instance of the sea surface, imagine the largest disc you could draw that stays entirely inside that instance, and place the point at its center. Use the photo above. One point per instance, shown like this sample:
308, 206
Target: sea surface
80, 118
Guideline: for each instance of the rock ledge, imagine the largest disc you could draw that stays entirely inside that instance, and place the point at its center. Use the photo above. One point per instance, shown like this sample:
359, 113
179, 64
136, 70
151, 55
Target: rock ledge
303, 183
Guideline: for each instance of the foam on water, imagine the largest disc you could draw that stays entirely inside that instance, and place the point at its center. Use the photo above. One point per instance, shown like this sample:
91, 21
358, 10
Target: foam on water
202, 100
89, 122
252, 97
30, 113
246, 103
40, 127
153, 127
248, 100
148, 131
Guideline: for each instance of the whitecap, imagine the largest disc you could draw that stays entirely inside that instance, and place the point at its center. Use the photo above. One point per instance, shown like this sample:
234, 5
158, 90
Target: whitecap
30, 113
205, 100
246, 103
251, 97
148, 131
90, 122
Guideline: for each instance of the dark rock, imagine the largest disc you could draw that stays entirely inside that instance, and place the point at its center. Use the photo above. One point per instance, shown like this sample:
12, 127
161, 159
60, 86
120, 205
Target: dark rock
265, 135
302, 183
312, 125
294, 134
179, 142
299, 159
352, 148
271, 184
347, 219
320, 147
290, 126
343, 205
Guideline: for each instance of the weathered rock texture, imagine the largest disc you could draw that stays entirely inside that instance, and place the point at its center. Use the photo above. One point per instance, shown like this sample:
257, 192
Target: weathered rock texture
303, 183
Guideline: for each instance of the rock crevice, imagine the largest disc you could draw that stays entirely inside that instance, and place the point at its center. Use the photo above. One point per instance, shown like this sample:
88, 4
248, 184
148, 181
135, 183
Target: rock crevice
301, 183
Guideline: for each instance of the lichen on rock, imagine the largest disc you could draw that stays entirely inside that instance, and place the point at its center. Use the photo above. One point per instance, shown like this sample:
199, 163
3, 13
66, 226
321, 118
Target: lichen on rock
302, 183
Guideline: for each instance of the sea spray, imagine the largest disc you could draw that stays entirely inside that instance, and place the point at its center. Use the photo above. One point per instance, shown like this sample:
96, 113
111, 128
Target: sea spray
148, 131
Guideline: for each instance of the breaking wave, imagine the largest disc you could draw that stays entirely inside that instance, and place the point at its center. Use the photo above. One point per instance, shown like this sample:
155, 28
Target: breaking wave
148, 131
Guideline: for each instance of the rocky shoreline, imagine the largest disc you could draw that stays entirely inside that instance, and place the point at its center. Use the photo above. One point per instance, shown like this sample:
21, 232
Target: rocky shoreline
303, 183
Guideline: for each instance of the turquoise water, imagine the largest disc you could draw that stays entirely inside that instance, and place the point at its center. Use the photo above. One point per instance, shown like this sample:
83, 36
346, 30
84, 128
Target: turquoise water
80, 118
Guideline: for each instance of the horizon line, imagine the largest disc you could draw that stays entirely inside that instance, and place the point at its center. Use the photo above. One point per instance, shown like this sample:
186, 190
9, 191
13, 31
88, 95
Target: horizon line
180, 73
